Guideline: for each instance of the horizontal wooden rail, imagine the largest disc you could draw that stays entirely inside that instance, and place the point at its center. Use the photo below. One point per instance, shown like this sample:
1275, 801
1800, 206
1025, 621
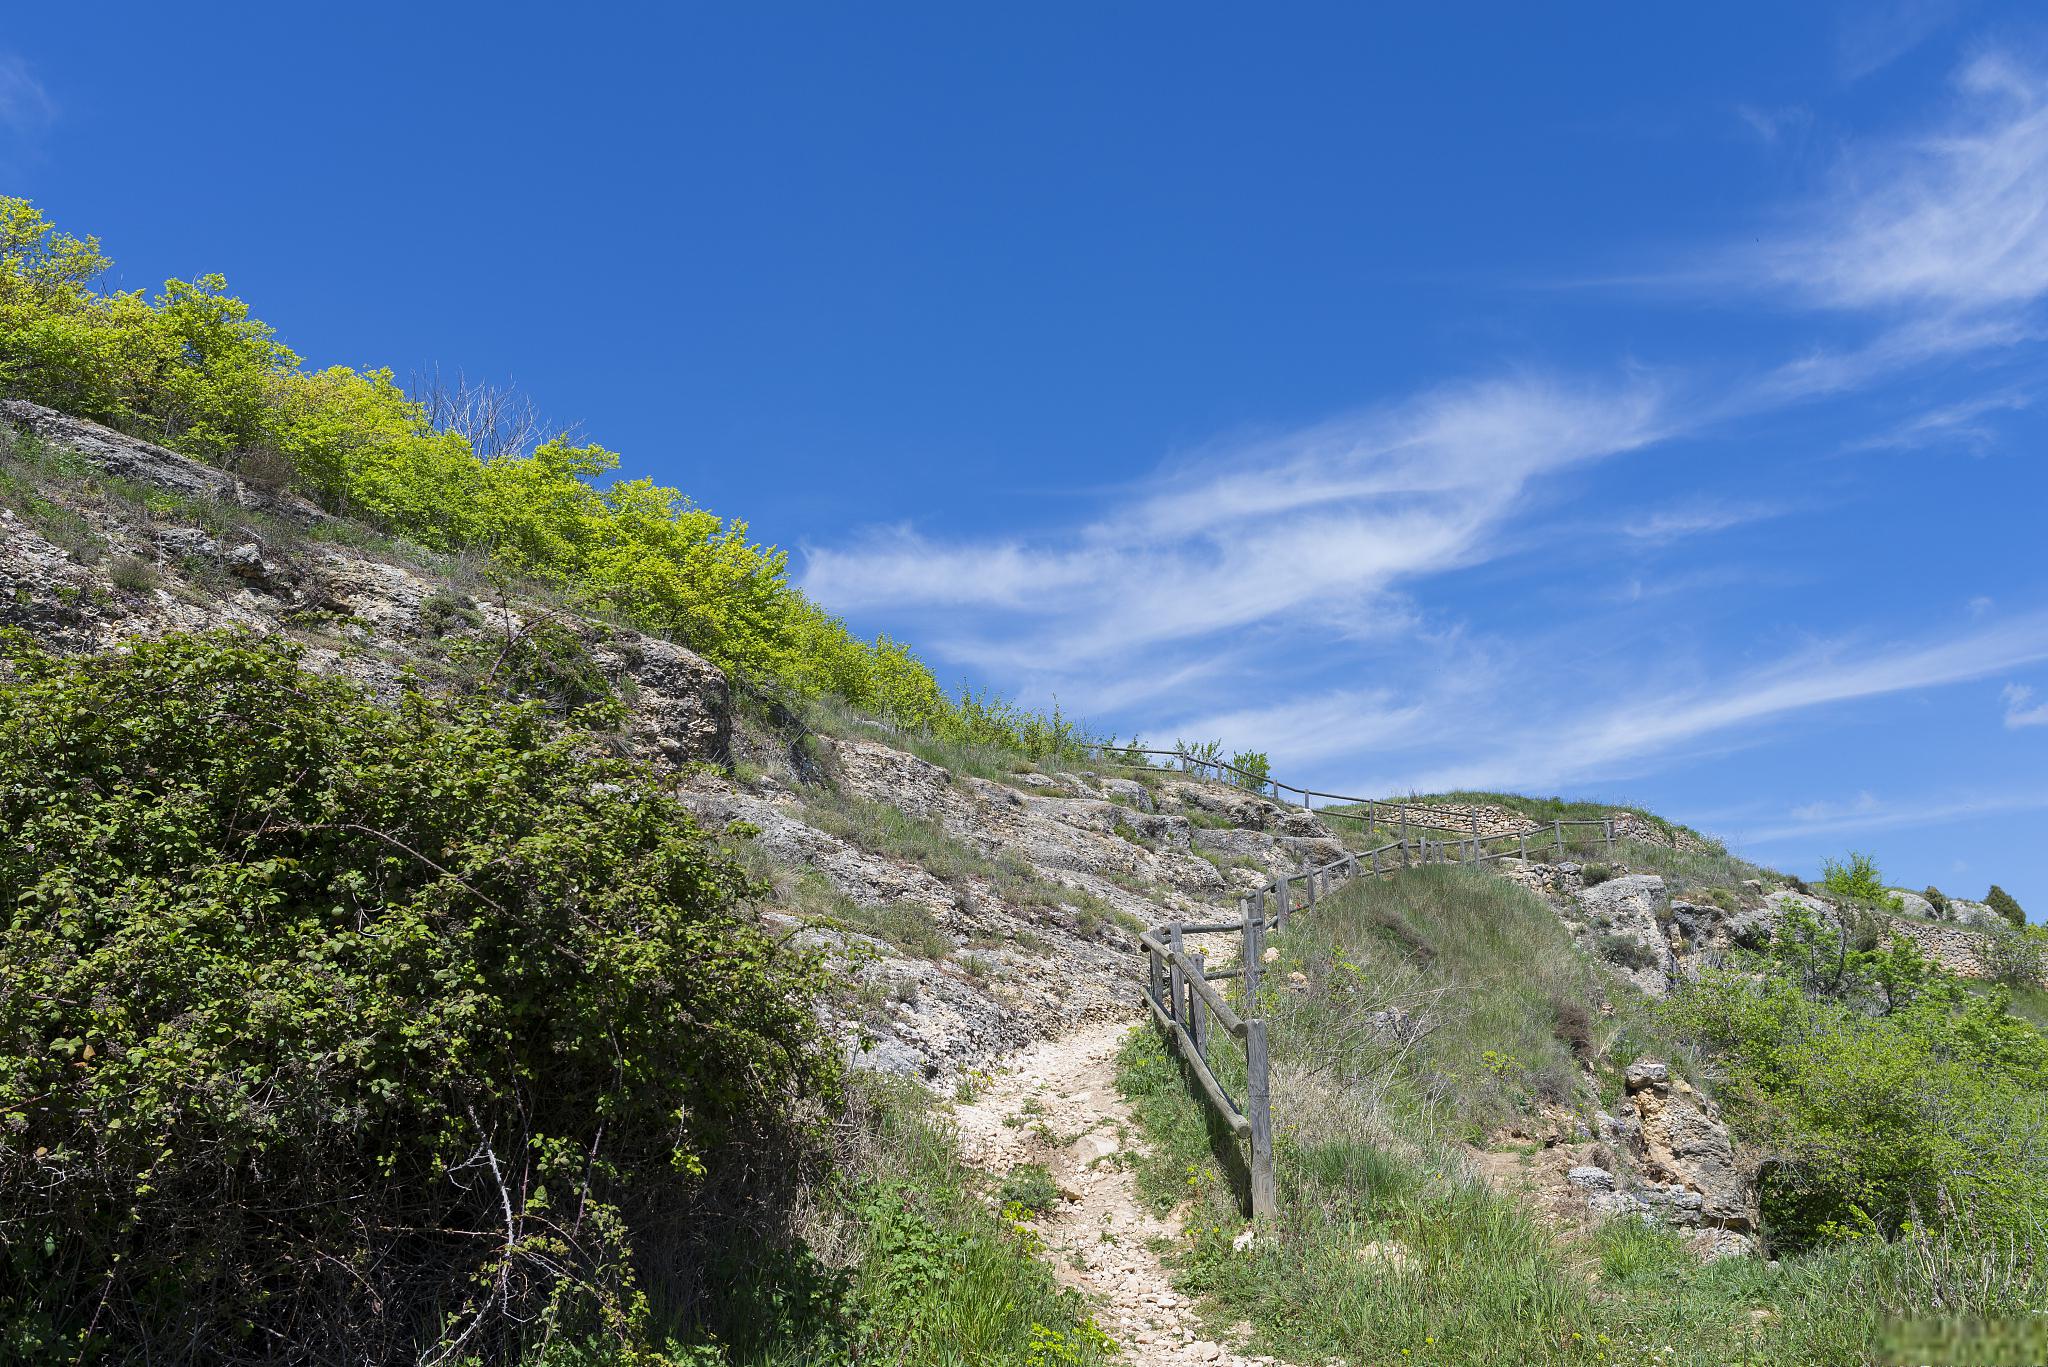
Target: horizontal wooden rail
1378, 811
1238, 1121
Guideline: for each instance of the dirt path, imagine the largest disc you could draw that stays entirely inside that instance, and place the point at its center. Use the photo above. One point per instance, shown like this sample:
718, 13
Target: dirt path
1056, 1103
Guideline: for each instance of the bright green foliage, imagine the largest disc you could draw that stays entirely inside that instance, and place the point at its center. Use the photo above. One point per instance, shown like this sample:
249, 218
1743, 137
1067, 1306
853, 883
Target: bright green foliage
1256, 768
1884, 1091
1938, 899
2003, 902
353, 1027
194, 369
1857, 880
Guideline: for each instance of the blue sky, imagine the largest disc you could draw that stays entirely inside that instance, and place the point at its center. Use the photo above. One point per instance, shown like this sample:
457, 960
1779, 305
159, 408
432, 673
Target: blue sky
1629, 402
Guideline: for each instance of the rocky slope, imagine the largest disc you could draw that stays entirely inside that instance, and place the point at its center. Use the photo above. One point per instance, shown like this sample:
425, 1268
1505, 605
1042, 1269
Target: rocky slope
1031, 884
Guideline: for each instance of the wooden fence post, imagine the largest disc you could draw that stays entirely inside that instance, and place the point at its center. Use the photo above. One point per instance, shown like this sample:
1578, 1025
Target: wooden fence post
1174, 1006
1284, 907
1557, 829
1607, 831
1259, 1104
1254, 948
1158, 977
1198, 1008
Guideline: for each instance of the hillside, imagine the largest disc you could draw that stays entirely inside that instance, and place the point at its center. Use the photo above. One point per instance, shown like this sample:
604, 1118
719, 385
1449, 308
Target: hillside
1529, 1113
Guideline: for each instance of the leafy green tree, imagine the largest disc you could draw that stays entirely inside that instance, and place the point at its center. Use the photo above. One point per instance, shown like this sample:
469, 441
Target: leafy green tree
1857, 880
356, 1028
2003, 902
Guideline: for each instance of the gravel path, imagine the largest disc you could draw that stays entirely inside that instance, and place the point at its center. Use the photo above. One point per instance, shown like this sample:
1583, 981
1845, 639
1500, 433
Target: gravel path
1056, 1103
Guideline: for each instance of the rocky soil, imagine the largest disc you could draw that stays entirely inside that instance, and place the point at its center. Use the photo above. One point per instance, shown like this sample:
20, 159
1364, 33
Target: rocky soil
1056, 1104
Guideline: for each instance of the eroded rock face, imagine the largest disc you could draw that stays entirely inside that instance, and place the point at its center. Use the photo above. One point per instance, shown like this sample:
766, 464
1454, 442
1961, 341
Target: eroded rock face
1684, 1144
359, 614
145, 463
1668, 1157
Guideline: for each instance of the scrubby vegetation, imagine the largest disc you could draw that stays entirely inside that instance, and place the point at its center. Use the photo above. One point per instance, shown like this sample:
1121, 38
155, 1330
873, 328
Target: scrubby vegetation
1885, 1093
332, 1032
1896, 1112
2005, 904
1856, 879
193, 368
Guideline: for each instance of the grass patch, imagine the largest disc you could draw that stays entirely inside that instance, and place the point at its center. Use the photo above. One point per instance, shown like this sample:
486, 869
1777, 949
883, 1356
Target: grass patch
903, 1257
1474, 968
909, 926
1694, 870
1029, 1186
895, 834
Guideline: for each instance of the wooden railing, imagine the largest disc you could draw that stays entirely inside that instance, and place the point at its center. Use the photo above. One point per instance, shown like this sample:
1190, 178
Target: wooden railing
1409, 816
1188, 1007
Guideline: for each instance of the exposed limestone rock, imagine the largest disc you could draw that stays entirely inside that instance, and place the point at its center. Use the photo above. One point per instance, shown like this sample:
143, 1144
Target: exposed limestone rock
1625, 917
360, 614
1685, 1146
145, 463
1973, 913
1913, 904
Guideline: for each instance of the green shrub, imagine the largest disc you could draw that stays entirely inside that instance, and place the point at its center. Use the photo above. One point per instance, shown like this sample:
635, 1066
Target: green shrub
2003, 902
1595, 873
132, 573
1628, 951
1029, 1186
1857, 880
1938, 899
1256, 768
357, 1028
1881, 1091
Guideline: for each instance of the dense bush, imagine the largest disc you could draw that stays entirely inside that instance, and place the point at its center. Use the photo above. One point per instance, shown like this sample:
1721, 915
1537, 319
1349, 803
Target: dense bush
2005, 904
193, 368
1882, 1091
328, 1032
1856, 879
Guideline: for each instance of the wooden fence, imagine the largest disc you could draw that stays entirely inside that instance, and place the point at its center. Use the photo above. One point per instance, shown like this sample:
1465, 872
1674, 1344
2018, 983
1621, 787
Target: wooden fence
1370, 812
1188, 1007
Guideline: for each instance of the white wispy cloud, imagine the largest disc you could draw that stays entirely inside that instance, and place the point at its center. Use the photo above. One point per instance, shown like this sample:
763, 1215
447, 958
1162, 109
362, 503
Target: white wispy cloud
2021, 709
1959, 423
25, 106
1874, 35
1616, 731
1773, 124
1955, 221
1321, 525
1232, 590
1696, 518
1820, 820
